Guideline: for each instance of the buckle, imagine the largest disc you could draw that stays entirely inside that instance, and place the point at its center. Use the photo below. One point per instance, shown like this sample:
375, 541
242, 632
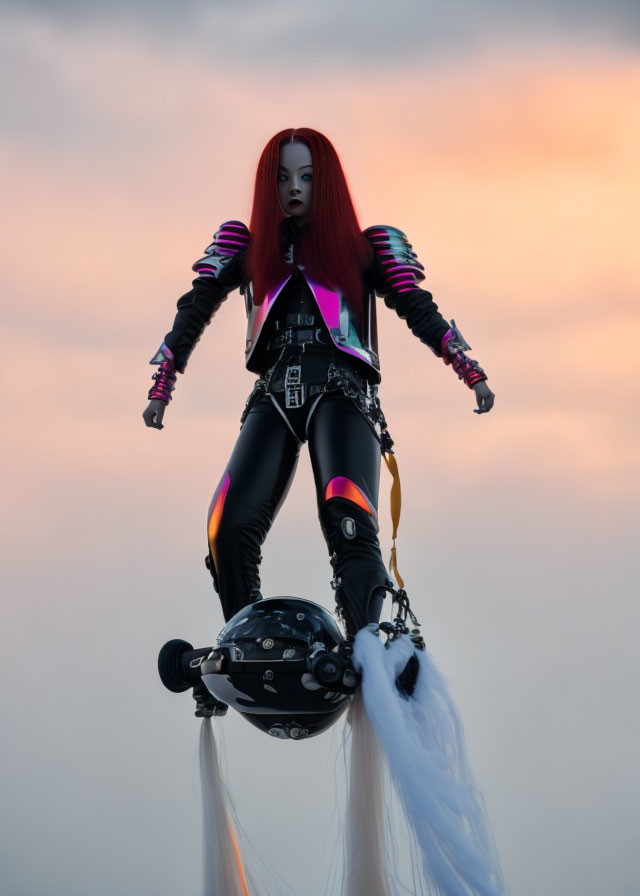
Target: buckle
294, 388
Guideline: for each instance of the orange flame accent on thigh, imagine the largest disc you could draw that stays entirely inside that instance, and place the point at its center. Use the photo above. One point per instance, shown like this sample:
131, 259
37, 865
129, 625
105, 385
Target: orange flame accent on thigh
215, 513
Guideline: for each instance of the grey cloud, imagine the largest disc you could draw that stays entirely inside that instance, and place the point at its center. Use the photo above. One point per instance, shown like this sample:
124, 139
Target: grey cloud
284, 31
47, 104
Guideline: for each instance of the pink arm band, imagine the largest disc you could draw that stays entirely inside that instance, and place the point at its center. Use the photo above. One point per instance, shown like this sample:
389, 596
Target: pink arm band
453, 345
165, 377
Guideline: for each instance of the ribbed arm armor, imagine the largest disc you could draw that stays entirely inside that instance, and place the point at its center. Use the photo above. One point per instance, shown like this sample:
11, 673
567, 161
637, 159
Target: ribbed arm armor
230, 238
219, 272
397, 276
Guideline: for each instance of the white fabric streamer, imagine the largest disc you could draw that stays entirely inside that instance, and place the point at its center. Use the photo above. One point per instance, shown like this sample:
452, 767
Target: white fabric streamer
223, 872
424, 744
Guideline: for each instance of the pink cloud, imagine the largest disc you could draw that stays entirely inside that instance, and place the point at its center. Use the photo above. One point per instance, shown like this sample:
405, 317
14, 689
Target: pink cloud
514, 186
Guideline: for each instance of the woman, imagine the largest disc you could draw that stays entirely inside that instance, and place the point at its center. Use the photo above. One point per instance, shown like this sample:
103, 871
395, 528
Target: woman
309, 277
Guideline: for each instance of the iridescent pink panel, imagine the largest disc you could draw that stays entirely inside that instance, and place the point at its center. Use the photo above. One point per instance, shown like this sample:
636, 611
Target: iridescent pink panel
341, 487
215, 513
259, 314
329, 304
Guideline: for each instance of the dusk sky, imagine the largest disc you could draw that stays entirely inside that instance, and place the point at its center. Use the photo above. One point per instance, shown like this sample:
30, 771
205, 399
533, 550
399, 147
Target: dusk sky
504, 140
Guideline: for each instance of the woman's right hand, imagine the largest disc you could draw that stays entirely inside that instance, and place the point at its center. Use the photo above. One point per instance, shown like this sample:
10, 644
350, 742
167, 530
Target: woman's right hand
154, 413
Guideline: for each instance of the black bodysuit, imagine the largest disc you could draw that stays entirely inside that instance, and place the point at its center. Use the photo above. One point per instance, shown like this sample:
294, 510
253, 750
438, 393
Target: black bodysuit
326, 403
307, 391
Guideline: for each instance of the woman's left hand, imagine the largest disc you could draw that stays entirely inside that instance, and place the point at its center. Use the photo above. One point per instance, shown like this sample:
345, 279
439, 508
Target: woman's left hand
484, 397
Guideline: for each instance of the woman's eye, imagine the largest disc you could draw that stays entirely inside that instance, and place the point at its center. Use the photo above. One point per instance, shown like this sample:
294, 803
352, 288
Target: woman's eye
308, 176
282, 178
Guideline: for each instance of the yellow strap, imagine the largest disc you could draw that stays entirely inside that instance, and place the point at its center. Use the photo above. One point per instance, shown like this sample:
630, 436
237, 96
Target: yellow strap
396, 503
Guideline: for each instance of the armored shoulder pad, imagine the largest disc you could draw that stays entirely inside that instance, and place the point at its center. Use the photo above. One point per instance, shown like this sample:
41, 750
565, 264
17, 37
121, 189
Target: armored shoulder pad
230, 238
400, 264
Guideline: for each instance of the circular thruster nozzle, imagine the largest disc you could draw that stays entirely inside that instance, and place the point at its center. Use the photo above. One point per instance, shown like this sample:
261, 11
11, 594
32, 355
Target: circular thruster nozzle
298, 732
278, 731
350, 679
171, 666
327, 670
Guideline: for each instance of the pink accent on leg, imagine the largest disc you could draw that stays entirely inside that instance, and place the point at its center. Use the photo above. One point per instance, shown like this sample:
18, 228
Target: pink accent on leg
341, 487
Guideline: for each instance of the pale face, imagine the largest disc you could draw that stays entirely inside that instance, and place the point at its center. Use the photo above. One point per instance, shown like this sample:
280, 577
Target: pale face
295, 180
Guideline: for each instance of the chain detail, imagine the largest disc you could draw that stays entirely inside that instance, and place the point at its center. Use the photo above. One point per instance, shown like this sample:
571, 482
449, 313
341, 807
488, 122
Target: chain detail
399, 624
367, 402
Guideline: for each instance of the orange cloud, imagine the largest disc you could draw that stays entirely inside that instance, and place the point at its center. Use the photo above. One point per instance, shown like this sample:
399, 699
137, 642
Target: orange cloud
516, 184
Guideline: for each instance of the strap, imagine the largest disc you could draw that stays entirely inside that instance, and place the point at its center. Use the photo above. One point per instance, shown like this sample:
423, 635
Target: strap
298, 336
294, 320
396, 504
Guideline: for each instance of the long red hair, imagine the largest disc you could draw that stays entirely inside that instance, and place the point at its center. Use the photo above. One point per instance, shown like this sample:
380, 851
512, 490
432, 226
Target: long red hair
331, 245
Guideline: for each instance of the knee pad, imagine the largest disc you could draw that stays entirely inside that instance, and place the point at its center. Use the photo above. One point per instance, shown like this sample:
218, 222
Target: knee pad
346, 527
347, 516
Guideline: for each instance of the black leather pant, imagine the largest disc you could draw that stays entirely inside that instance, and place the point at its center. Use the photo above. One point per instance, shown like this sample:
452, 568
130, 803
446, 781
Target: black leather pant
345, 458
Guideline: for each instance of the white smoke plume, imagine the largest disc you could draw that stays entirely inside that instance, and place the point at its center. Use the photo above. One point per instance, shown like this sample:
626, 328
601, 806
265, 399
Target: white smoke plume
365, 848
223, 871
423, 741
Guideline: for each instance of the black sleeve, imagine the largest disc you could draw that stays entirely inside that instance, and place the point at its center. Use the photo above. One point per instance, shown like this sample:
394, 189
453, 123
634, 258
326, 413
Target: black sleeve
395, 272
197, 307
422, 316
